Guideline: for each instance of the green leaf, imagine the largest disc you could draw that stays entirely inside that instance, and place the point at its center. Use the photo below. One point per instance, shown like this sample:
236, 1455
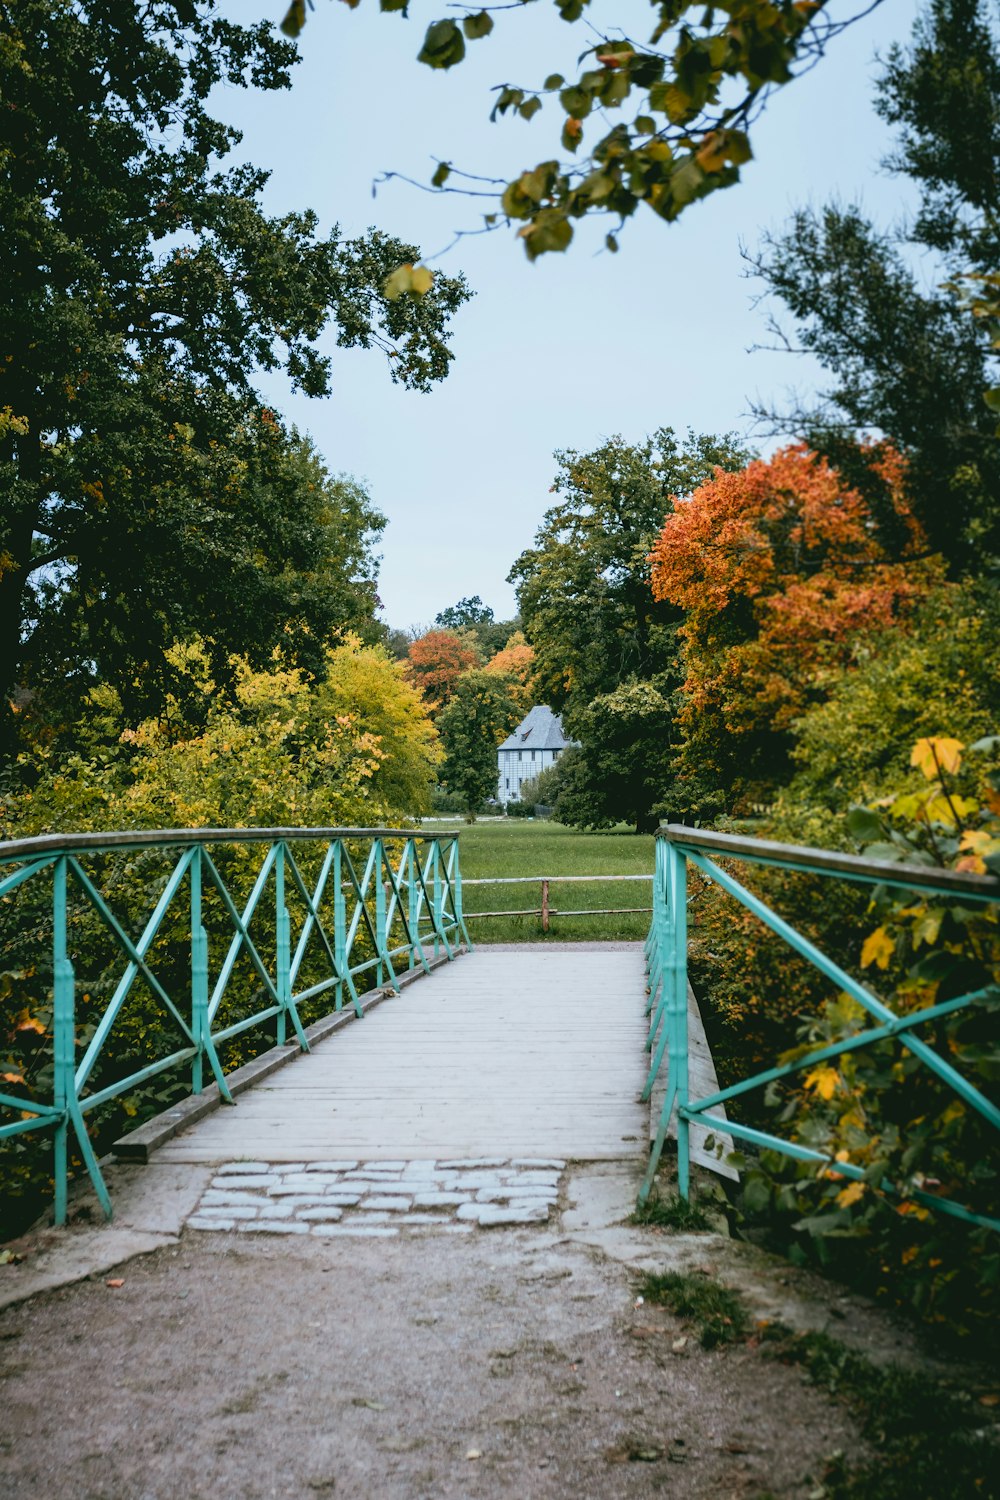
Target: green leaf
441, 174
295, 18
864, 825
477, 26
554, 81
443, 46
530, 107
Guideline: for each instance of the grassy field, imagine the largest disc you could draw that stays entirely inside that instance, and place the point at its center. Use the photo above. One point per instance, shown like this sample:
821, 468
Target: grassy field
520, 847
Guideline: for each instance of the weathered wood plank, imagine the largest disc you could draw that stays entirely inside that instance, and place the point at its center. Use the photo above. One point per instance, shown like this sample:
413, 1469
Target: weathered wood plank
513, 1054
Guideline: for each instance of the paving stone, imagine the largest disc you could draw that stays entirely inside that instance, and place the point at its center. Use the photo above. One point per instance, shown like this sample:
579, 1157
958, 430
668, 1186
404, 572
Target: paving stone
503, 1195
284, 1189
228, 1184
534, 1179
420, 1169
212, 1197
407, 1219
370, 1179
535, 1196
553, 1165
320, 1215
384, 1166
489, 1217
300, 1199
284, 1209
361, 1217
243, 1168
529, 1205
342, 1200
439, 1200
331, 1166
358, 1231
275, 1226
302, 1181
479, 1180
231, 1211
197, 1222
467, 1164
394, 1205
489, 1214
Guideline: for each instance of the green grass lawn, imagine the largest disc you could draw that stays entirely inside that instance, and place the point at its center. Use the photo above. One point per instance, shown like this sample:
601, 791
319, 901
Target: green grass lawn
528, 848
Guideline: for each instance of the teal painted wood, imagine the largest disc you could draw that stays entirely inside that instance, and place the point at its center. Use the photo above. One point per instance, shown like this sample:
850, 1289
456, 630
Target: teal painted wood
344, 928
666, 961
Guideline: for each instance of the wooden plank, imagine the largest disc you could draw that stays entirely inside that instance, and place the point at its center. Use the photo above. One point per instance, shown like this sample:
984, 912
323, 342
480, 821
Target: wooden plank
702, 1081
499, 1054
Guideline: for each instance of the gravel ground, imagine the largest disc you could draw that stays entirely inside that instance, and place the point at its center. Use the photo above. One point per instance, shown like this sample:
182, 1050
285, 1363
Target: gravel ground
506, 1363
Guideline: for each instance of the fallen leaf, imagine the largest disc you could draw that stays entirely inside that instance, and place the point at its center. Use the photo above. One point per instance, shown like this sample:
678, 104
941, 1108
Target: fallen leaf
371, 1405
474, 1453
990, 1400
115, 1281
679, 1344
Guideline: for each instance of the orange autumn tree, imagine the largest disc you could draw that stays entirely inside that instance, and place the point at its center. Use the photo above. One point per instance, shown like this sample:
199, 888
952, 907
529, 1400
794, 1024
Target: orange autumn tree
516, 662
435, 662
780, 569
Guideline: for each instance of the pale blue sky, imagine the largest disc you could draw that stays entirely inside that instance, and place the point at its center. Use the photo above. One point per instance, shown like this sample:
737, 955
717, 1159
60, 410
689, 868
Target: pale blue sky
562, 353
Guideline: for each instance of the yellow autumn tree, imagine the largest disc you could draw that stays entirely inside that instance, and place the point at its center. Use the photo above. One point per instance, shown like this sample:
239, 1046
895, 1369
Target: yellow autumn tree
516, 662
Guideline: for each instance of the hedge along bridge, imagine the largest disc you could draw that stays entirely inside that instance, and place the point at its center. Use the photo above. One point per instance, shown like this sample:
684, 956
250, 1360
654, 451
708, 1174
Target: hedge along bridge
678, 847
372, 904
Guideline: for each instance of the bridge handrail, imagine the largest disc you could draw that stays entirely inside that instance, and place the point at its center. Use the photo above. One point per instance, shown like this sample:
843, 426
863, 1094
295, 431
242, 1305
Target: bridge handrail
371, 916
677, 846
149, 838
832, 862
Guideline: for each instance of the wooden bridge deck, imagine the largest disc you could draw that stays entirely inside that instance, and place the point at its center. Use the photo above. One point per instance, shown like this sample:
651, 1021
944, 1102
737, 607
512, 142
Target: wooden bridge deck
520, 1053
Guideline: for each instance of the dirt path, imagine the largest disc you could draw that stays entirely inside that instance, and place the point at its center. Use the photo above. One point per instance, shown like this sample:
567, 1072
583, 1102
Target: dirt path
509, 1363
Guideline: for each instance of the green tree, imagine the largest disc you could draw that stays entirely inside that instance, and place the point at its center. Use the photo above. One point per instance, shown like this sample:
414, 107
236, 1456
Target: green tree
472, 616
144, 288
624, 770
480, 714
908, 362
607, 652
666, 122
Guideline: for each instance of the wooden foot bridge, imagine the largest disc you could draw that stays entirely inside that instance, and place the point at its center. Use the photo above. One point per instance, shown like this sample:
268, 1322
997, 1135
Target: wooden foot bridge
195, 963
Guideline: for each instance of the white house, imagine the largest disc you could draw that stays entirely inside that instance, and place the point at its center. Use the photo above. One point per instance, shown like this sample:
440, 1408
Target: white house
536, 743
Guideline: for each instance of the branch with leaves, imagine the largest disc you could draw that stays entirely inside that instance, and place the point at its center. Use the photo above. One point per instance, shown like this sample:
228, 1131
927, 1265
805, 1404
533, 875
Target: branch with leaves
664, 122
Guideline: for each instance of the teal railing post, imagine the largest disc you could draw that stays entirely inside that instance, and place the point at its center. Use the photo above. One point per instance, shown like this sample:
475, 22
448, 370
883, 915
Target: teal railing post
413, 902
380, 933
199, 977
457, 889
668, 964
339, 922
438, 897
678, 981
63, 1039
283, 948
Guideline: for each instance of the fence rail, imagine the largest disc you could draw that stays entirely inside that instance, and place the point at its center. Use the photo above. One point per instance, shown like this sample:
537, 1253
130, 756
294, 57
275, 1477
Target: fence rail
367, 903
546, 910
677, 847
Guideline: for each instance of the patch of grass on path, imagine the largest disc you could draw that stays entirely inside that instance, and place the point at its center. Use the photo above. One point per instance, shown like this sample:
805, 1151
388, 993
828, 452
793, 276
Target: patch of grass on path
925, 1441
718, 1314
519, 847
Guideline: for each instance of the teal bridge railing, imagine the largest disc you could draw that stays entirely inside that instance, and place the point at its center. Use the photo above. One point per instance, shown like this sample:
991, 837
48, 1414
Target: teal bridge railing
677, 847
294, 913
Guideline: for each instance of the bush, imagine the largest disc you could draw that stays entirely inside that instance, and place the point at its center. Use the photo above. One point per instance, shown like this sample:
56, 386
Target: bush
520, 809
881, 1108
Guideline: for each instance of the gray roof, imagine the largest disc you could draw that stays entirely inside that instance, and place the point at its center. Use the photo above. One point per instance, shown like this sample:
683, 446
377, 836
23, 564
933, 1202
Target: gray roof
540, 729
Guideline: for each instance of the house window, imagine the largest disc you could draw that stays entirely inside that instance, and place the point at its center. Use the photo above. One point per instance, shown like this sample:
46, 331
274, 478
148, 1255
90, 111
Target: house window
532, 754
